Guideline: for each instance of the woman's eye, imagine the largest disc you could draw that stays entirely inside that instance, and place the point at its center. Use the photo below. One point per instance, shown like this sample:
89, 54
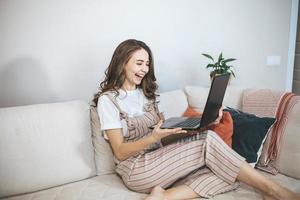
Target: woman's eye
139, 63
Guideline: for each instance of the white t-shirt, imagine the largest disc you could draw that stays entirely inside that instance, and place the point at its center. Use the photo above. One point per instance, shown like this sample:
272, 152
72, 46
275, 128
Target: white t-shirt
132, 102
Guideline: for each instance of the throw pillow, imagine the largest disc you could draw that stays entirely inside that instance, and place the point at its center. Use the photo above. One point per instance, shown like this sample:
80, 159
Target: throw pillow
224, 129
103, 154
249, 131
190, 112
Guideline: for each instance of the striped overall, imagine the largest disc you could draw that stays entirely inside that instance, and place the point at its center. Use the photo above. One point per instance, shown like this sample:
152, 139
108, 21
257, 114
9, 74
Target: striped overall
203, 162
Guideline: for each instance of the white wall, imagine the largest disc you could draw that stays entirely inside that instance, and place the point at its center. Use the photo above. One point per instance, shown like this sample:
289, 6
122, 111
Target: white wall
58, 50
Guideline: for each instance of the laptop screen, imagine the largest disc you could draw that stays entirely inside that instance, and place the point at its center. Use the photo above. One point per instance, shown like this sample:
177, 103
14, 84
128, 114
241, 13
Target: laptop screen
215, 99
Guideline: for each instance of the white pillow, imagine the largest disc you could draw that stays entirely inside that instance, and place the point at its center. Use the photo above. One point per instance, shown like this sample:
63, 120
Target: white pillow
173, 103
44, 145
197, 97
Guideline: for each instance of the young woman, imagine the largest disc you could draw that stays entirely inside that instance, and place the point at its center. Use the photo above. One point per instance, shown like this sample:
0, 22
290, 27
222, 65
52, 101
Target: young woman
202, 166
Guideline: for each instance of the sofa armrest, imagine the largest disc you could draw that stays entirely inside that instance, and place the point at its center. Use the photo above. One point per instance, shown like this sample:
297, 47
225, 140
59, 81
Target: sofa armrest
289, 152
44, 145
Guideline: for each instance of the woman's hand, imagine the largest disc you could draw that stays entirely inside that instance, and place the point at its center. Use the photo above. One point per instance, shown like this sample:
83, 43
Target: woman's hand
159, 133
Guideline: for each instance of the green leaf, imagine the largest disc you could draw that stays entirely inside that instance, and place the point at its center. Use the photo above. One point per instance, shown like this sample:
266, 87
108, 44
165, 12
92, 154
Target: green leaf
232, 73
226, 67
210, 65
220, 57
220, 66
229, 60
208, 56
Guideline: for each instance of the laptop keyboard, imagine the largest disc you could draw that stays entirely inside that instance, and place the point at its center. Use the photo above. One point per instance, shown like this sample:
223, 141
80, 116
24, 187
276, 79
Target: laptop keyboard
191, 122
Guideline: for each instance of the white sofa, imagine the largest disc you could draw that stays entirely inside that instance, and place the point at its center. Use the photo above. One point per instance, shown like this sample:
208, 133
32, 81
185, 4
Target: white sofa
47, 153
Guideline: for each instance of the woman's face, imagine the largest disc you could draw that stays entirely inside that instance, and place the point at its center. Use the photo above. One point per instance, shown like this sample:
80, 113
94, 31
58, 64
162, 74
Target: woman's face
135, 69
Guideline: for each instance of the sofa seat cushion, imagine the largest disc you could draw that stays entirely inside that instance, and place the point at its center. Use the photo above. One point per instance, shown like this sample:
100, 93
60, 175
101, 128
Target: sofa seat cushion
108, 187
246, 192
111, 187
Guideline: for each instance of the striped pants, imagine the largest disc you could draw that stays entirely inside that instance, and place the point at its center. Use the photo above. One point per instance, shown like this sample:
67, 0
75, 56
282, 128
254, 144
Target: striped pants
205, 164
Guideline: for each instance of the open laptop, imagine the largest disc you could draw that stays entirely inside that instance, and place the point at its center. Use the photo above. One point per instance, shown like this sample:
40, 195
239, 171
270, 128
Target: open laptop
211, 109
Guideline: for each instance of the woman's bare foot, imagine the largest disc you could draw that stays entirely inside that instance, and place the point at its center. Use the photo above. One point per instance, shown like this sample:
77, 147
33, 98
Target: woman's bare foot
157, 193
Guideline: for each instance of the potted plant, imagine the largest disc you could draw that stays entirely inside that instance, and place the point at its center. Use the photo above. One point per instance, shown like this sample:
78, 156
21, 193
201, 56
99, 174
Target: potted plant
220, 66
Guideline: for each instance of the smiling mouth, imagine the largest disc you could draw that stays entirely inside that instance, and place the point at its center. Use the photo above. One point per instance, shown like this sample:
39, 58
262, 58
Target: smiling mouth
139, 76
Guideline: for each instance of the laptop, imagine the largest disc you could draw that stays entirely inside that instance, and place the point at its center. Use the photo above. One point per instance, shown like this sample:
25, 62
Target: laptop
211, 110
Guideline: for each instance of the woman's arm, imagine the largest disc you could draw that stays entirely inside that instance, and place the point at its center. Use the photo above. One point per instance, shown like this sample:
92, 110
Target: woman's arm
161, 116
123, 150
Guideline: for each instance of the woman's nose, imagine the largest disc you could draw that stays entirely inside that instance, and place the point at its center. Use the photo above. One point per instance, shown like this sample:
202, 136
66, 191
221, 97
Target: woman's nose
145, 68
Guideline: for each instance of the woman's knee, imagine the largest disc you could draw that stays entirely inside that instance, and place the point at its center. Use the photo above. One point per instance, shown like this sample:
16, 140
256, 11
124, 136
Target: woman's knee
211, 135
213, 138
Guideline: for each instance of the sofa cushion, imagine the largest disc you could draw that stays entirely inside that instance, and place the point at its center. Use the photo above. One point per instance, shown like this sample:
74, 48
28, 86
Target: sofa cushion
249, 131
173, 104
103, 153
44, 145
261, 102
105, 187
197, 96
111, 187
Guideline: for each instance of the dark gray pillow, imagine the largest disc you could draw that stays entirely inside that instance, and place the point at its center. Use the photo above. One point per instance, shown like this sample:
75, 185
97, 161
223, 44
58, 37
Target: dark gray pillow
249, 132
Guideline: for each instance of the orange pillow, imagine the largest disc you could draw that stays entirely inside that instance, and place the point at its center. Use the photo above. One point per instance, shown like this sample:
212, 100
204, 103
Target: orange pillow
224, 129
190, 112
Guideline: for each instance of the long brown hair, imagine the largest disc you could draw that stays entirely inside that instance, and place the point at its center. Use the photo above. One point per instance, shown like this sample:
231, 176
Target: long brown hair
115, 73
